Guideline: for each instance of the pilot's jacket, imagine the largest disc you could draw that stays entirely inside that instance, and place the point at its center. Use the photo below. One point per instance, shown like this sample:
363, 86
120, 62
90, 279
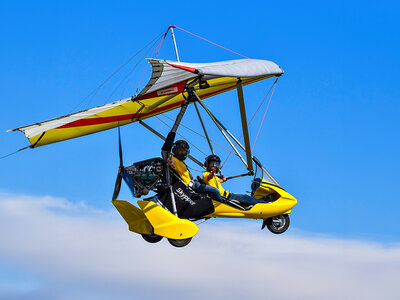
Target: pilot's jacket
214, 181
181, 168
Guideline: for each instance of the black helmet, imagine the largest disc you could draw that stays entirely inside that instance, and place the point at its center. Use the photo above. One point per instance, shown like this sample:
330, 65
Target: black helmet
180, 154
212, 161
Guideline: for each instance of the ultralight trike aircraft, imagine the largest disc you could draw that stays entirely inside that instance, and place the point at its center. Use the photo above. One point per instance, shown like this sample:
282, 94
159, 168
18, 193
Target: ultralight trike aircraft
175, 209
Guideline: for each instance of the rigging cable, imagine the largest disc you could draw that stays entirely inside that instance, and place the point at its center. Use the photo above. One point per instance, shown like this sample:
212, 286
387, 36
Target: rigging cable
133, 69
210, 42
263, 118
182, 137
162, 40
272, 87
156, 50
92, 93
192, 169
115, 72
30, 146
199, 134
15, 152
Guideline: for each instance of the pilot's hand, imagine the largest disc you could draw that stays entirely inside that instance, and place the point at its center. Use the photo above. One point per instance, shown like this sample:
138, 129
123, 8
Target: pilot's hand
170, 161
224, 178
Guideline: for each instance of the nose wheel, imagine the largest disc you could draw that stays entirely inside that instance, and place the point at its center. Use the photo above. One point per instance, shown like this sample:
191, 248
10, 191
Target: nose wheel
278, 224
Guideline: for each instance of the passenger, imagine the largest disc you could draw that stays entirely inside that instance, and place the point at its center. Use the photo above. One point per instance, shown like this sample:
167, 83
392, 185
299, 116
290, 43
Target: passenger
212, 164
180, 151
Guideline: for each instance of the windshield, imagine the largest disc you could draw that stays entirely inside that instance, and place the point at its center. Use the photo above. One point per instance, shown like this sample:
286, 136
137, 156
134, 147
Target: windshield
261, 172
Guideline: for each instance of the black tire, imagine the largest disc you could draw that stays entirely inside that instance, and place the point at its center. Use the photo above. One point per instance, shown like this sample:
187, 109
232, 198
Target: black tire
179, 243
278, 224
152, 238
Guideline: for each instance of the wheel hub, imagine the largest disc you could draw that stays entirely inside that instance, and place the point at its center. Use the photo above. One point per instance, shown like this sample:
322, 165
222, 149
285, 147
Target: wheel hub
278, 222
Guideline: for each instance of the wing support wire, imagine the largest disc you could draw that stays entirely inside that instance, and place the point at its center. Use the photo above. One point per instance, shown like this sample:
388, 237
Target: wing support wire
257, 162
152, 130
217, 123
30, 146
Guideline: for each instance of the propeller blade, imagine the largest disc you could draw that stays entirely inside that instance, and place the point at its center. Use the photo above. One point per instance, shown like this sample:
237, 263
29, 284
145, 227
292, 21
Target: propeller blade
117, 186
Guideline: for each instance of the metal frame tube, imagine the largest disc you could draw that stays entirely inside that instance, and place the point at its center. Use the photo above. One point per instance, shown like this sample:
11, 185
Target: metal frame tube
237, 142
173, 38
229, 133
180, 116
242, 107
153, 106
163, 100
221, 129
166, 148
204, 128
173, 201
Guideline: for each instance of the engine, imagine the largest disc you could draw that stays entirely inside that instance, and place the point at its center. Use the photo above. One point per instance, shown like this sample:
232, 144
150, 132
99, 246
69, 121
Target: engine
146, 175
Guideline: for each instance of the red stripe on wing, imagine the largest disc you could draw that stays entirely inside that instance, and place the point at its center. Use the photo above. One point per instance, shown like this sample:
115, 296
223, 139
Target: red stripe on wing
193, 70
104, 120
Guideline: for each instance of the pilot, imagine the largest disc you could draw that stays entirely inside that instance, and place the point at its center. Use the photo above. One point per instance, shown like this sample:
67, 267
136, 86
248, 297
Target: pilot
212, 164
180, 151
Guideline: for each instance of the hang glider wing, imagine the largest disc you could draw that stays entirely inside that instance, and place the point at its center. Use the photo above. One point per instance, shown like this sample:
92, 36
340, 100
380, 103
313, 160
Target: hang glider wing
163, 93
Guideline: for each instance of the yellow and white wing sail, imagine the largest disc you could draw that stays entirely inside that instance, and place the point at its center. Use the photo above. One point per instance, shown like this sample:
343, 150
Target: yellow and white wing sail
163, 93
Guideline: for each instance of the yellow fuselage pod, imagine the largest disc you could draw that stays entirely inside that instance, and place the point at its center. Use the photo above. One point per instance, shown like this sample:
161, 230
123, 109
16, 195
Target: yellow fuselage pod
133, 216
282, 205
167, 224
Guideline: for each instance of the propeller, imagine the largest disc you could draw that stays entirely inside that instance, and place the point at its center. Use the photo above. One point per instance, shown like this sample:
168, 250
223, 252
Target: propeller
120, 169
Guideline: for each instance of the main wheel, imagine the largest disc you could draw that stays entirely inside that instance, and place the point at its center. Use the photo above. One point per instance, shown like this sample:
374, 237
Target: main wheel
179, 243
278, 224
152, 238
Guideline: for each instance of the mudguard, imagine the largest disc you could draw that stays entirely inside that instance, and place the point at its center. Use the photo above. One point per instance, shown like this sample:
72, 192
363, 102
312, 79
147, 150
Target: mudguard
167, 224
136, 219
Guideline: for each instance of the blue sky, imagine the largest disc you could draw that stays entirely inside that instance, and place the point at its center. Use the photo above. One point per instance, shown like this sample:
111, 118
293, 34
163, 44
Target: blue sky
330, 136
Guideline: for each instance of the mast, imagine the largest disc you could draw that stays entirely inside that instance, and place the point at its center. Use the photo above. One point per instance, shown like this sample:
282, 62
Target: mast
173, 38
244, 125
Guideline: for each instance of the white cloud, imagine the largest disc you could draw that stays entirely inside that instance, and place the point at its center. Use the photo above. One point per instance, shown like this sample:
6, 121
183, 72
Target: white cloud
78, 252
